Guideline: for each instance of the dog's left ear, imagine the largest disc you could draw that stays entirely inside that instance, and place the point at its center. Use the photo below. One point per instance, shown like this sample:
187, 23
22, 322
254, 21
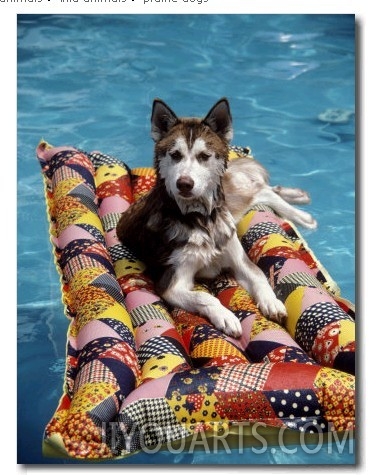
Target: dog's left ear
219, 119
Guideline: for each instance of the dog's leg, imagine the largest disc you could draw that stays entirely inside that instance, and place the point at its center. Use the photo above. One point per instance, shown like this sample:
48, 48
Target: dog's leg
180, 293
292, 195
252, 278
271, 198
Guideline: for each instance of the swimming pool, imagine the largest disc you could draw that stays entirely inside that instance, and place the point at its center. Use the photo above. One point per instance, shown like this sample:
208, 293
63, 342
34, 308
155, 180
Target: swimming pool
89, 81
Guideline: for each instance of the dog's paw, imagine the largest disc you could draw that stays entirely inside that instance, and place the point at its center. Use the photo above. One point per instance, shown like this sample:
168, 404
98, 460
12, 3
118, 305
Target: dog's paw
274, 309
305, 219
228, 323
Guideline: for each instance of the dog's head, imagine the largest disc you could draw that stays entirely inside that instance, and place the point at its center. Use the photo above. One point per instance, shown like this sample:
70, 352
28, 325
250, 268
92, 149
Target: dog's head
191, 154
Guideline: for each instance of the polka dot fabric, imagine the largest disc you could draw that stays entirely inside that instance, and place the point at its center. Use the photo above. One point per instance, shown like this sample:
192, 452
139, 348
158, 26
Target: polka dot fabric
140, 374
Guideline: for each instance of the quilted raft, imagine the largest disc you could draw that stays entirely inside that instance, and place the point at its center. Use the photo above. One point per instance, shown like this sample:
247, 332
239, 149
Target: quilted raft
139, 374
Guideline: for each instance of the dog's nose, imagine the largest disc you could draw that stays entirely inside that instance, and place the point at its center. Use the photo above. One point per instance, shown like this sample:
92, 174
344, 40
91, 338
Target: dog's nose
185, 184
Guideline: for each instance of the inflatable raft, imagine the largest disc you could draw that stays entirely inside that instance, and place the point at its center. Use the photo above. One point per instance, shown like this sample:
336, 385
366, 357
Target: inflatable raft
140, 375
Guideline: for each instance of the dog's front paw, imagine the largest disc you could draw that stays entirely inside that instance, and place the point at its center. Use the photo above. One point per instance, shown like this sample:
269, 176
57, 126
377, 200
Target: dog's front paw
274, 309
228, 323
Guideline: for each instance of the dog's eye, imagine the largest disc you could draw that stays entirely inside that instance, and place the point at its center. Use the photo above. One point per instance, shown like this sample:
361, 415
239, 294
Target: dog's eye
203, 156
176, 156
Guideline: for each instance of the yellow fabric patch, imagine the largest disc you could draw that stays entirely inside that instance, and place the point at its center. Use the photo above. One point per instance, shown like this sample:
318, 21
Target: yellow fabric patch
294, 310
143, 171
214, 348
195, 410
126, 267
337, 396
156, 368
241, 300
109, 172
84, 277
262, 324
278, 240
64, 187
243, 224
90, 395
347, 333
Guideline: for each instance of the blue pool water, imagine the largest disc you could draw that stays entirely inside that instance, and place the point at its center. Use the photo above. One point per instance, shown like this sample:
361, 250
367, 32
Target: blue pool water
89, 81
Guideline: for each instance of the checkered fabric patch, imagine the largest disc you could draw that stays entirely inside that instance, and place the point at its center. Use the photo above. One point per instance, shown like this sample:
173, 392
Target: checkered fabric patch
77, 263
120, 251
93, 372
150, 422
243, 377
64, 173
143, 313
110, 220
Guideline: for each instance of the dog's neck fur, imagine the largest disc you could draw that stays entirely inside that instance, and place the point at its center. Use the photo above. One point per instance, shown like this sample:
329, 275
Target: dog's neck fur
205, 205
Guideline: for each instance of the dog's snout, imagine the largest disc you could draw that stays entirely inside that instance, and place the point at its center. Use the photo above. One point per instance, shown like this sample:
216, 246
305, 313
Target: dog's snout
185, 184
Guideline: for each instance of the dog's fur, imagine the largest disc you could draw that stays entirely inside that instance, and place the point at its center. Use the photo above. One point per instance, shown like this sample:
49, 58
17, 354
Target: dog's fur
184, 228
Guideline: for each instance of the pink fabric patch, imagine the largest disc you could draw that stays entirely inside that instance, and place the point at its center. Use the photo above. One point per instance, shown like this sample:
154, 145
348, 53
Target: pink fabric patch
139, 297
277, 336
243, 341
156, 388
294, 265
265, 217
48, 153
93, 330
313, 295
111, 238
113, 204
73, 232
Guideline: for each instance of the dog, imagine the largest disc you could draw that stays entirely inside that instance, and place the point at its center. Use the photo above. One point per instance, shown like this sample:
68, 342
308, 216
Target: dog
184, 229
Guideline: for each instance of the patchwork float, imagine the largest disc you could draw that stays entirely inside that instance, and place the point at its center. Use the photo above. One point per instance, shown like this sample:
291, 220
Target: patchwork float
141, 375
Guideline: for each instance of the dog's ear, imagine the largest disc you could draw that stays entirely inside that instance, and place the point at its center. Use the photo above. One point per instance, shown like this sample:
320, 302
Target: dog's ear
162, 119
219, 119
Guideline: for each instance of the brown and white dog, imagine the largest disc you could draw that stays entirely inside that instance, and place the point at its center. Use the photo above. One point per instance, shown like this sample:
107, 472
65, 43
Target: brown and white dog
184, 228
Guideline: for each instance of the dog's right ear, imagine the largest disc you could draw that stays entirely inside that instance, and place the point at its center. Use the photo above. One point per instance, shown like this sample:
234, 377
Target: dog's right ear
162, 119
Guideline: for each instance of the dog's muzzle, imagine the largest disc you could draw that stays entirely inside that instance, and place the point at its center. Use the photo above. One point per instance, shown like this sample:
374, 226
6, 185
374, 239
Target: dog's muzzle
185, 185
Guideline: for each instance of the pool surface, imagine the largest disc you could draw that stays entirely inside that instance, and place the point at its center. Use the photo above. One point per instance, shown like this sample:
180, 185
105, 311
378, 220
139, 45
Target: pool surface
89, 81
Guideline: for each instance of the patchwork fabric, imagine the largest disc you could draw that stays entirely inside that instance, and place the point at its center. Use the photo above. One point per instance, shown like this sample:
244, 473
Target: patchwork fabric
138, 374
243, 377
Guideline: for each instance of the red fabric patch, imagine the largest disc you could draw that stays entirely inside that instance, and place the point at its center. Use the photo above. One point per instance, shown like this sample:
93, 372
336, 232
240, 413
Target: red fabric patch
291, 376
119, 187
246, 406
